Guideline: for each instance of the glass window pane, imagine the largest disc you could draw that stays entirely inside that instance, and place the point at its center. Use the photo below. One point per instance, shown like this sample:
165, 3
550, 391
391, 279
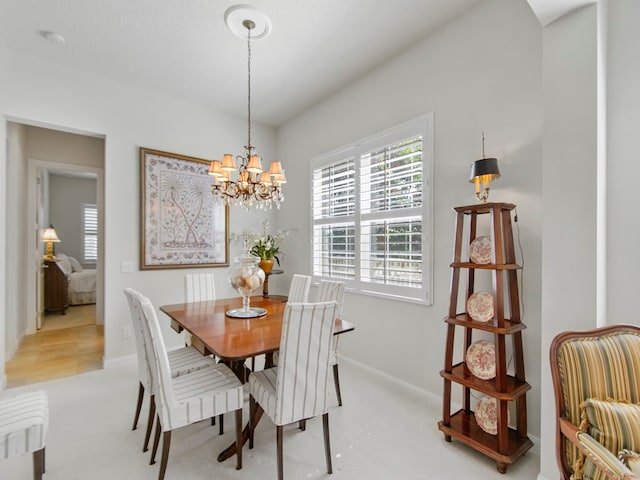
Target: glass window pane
334, 189
334, 251
391, 252
391, 177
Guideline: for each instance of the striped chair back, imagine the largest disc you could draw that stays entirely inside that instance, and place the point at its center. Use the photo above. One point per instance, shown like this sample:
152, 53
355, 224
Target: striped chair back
331, 290
199, 287
160, 369
299, 289
601, 364
144, 375
303, 367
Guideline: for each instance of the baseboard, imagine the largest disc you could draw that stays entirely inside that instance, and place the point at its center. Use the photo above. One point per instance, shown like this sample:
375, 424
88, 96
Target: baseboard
126, 361
391, 378
535, 449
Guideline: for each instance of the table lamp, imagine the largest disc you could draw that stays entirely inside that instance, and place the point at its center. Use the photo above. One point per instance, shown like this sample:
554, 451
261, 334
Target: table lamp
484, 171
50, 236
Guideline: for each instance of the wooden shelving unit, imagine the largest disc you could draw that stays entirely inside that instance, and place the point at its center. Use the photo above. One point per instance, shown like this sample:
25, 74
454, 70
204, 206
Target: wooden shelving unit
510, 443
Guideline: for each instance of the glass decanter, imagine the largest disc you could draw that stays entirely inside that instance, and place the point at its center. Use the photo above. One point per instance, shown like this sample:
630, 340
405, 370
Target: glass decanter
246, 277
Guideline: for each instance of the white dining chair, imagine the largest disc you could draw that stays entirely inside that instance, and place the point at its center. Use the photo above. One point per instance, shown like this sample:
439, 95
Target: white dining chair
331, 290
199, 287
299, 288
181, 361
189, 398
297, 388
24, 421
298, 293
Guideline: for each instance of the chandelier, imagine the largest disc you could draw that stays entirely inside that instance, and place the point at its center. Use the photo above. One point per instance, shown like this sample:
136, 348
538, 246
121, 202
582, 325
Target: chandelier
246, 185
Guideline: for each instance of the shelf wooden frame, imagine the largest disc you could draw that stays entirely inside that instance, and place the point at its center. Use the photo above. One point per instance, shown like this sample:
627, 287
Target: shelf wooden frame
510, 443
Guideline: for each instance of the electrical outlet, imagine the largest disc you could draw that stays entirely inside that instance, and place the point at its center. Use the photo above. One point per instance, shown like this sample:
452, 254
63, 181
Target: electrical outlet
126, 332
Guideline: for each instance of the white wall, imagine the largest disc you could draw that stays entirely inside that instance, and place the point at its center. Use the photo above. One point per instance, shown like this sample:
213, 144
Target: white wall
623, 159
569, 259
15, 245
481, 72
38, 92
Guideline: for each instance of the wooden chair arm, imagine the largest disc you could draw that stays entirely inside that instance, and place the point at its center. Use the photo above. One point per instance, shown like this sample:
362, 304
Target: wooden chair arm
569, 430
600, 456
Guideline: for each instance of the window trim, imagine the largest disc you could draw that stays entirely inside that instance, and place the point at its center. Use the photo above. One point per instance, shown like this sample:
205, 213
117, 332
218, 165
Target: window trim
422, 125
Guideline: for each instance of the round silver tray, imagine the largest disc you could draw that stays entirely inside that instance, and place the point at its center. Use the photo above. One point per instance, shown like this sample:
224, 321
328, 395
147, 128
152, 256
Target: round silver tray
248, 313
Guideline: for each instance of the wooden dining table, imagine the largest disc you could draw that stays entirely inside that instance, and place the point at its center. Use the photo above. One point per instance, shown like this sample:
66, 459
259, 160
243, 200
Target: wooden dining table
234, 340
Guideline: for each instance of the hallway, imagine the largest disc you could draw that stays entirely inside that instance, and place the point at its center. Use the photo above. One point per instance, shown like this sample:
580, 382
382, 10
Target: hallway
66, 345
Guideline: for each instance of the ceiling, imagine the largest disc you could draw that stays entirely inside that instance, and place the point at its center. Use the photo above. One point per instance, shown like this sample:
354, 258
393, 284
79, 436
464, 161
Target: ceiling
183, 48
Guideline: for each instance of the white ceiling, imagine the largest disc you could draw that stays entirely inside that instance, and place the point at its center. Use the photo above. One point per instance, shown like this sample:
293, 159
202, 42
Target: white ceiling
183, 48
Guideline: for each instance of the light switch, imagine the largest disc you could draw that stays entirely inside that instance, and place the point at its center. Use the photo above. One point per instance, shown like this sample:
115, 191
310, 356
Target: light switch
126, 266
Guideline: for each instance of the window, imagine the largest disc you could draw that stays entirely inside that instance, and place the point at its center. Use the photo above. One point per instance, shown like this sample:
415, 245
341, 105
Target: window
371, 208
89, 233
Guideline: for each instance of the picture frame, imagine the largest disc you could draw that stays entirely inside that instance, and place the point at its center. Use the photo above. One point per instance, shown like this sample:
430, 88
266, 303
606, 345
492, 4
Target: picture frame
181, 224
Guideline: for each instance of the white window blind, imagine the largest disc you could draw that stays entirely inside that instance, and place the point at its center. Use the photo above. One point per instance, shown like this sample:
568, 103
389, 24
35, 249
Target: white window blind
90, 232
371, 213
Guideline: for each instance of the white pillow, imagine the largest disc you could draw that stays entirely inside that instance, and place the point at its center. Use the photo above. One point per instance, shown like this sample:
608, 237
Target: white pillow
63, 262
75, 264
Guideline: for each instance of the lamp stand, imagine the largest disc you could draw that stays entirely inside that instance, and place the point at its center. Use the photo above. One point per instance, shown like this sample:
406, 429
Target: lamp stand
49, 254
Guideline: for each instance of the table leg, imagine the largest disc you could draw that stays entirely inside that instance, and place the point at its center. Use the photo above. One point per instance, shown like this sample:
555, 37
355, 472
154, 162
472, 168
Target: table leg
230, 451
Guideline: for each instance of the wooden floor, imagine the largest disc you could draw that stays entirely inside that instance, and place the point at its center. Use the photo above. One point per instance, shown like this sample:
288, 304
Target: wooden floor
65, 345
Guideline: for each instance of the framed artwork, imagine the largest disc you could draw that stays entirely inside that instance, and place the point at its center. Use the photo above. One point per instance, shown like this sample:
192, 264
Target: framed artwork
181, 225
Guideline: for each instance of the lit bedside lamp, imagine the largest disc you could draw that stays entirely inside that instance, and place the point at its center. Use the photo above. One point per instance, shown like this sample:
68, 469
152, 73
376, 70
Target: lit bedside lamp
50, 236
484, 171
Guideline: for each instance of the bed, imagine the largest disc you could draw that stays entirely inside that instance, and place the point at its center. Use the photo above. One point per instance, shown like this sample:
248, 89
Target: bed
82, 282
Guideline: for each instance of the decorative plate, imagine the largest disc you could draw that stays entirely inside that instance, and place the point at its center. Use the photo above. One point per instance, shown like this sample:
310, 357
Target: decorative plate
480, 306
480, 250
486, 414
481, 359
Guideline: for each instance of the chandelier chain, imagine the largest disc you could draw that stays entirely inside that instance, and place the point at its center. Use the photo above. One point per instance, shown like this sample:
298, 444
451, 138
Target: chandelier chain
249, 86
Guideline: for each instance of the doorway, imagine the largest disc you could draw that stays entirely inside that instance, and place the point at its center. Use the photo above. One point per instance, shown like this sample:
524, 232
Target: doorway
40, 154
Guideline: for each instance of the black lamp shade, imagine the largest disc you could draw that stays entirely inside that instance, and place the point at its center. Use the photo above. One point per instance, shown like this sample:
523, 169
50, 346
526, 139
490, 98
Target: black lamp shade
485, 166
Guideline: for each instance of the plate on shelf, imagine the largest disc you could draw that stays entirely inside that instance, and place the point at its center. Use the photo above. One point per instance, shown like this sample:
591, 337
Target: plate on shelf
486, 414
481, 359
480, 250
480, 306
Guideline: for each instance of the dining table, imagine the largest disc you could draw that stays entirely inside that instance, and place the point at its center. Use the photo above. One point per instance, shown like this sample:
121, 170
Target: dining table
234, 340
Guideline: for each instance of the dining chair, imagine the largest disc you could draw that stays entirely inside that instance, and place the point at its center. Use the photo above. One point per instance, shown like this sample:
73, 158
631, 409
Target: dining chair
181, 361
296, 389
298, 293
299, 289
199, 287
327, 291
24, 420
189, 398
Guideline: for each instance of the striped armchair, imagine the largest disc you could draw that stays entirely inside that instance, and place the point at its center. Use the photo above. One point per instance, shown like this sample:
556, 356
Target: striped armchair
596, 380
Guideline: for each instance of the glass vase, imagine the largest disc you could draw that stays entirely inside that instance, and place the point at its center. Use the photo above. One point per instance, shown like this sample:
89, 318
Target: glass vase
246, 277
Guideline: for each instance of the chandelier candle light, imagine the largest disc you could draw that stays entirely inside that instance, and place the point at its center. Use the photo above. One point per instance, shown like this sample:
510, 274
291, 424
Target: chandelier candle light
253, 186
